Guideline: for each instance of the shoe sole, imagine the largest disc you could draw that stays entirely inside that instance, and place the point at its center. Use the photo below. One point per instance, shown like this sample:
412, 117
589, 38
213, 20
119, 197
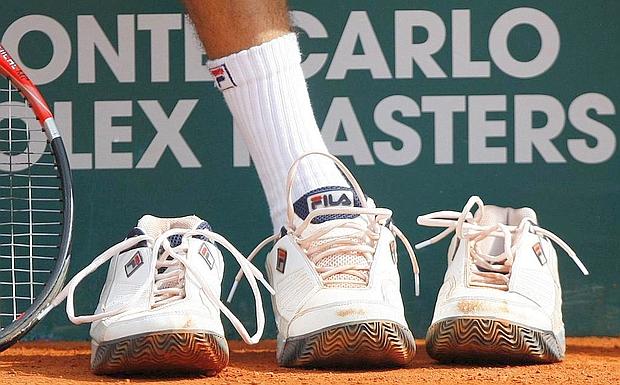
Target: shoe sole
490, 340
366, 344
169, 353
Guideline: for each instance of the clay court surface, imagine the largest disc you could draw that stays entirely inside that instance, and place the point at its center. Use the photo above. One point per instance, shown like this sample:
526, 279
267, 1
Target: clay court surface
588, 361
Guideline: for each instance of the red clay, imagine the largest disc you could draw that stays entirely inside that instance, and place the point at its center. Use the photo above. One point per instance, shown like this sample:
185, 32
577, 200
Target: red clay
588, 361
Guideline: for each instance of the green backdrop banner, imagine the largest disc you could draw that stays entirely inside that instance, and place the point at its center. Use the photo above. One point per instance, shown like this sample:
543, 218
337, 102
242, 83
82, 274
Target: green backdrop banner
427, 102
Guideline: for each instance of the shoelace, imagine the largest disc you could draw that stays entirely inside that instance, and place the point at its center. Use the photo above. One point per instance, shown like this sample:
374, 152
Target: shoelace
487, 270
359, 238
177, 266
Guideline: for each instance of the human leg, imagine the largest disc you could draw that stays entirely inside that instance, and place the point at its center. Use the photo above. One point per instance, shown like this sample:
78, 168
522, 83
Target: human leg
255, 61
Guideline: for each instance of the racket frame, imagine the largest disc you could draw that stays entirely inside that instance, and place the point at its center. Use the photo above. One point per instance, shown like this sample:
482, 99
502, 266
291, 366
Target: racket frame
40, 306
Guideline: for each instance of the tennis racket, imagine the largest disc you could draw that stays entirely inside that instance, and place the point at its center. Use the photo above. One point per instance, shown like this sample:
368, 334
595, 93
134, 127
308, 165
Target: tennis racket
36, 204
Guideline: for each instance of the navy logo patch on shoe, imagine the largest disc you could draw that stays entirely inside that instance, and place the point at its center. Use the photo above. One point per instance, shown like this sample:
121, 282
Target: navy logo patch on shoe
134, 264
281, 263
206, 255
326, 197
330, 199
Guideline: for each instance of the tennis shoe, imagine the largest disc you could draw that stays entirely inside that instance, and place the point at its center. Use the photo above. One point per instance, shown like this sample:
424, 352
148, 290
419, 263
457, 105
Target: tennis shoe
501, 297
159, 311
333, 267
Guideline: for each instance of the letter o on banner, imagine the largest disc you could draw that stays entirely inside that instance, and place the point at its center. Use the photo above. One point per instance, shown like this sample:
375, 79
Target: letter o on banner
61, 46
549, 42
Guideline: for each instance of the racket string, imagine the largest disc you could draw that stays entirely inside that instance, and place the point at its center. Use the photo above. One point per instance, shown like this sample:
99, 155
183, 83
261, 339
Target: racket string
31, 207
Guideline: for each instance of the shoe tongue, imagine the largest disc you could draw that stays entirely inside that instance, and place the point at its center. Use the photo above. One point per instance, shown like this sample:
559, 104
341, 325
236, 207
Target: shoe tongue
324, 197
175, 240
327, 197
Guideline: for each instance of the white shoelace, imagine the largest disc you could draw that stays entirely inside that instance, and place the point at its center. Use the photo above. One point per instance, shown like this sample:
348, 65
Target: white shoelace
169, 284
359, 238
487, 270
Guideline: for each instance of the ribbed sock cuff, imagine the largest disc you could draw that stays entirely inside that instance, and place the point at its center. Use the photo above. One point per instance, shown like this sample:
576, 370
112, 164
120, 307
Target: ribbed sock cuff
257, 63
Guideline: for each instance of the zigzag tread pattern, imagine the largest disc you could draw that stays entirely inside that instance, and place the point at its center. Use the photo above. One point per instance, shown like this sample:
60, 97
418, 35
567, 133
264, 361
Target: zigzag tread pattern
490, 340
169, 353
367, 344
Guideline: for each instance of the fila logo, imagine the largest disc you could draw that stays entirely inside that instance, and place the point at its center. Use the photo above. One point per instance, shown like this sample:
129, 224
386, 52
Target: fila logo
223, 79
330, 199
281, 262
7, 58
206, 255
538, 250
134, 264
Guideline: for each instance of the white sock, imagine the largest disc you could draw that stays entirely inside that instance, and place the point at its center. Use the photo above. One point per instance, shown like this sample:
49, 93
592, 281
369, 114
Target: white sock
266, 92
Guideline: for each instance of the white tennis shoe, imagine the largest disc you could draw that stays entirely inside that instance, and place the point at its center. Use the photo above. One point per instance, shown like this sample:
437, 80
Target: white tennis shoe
501, 298
159, 310
337, 298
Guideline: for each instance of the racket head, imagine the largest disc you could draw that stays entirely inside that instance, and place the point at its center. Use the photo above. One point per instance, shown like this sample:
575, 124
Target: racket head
36, 204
